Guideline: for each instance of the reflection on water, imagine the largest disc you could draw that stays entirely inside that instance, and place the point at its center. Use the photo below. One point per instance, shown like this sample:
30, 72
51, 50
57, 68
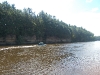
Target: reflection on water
30, 59
55, 59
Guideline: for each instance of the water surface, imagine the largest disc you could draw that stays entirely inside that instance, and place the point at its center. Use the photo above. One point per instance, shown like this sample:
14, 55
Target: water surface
53, 59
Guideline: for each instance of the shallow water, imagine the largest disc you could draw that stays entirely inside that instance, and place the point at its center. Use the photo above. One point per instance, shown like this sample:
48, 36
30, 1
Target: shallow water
53, 59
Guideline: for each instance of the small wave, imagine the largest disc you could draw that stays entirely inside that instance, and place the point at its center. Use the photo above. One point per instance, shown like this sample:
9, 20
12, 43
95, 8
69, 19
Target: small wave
17, 47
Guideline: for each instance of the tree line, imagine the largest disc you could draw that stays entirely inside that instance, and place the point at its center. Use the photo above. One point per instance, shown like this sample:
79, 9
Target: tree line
26, 23
97, 38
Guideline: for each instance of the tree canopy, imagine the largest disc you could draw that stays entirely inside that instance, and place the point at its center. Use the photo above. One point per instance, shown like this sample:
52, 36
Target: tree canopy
26, 23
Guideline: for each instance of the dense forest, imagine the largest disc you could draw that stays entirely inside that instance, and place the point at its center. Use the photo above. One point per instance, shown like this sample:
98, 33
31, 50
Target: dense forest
26, 23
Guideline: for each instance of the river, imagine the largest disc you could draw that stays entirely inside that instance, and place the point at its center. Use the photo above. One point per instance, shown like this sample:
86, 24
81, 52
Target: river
81, 58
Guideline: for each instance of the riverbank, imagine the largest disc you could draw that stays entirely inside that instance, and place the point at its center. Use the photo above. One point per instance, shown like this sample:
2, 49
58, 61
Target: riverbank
27, 40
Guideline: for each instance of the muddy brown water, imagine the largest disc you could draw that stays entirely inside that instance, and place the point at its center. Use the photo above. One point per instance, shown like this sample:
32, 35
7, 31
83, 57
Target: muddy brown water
52, 59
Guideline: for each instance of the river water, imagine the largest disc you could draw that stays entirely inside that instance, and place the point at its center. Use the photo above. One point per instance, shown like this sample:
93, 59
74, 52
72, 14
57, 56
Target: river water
52, 59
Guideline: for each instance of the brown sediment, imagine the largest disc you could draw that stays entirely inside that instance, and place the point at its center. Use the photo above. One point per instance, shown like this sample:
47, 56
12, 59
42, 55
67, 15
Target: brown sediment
52, 59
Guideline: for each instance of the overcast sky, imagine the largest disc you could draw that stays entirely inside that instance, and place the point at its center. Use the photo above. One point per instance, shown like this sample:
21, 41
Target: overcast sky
85, 13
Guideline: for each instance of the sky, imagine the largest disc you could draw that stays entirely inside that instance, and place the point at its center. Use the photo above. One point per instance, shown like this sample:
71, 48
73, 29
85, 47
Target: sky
82, 13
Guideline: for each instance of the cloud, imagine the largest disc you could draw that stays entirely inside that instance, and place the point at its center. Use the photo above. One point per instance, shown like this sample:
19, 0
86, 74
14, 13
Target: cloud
88, 1
94, 9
